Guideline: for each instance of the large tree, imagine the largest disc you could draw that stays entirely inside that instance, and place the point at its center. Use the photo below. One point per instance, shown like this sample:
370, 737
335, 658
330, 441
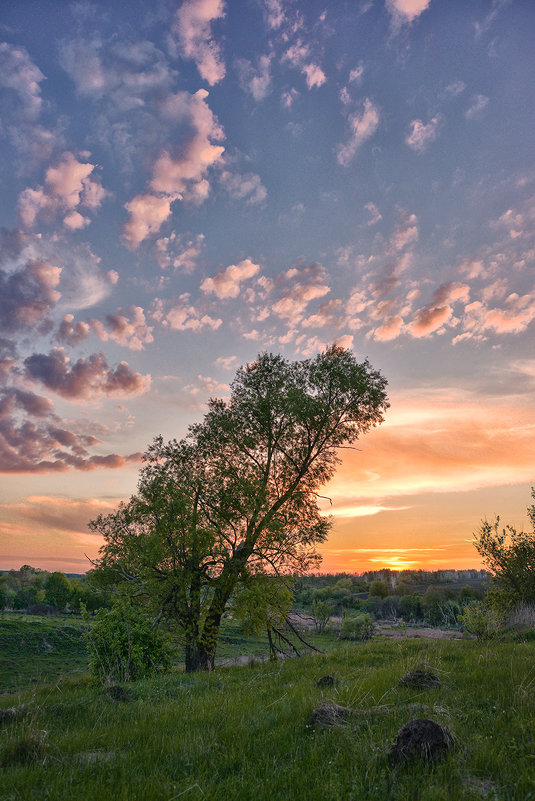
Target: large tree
238, 496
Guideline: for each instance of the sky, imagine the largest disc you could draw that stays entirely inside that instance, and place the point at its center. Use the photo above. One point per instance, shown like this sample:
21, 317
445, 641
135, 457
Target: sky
188, 184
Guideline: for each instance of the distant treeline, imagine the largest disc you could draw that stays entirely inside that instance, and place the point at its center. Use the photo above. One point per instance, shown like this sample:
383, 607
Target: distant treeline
41, 592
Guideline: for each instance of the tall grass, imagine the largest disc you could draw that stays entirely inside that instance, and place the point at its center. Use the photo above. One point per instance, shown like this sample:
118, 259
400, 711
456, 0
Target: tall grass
245, 732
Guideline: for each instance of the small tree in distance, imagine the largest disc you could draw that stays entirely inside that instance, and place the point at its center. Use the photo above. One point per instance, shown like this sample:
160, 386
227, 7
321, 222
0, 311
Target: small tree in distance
238, 496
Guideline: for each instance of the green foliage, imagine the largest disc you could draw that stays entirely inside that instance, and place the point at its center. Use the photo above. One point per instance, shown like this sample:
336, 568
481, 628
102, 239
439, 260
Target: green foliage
124, 645
238, 495
264, 601
57, 590
322, 611
510, 556
3, 597
482, 620
358, 627
378, 589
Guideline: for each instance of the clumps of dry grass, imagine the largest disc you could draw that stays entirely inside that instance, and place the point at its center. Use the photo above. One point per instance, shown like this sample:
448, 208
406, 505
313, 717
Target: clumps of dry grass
330, 715
420, 679
23, 748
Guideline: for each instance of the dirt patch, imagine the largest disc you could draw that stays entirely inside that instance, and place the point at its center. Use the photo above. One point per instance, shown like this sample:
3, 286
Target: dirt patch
400, 632
421, 739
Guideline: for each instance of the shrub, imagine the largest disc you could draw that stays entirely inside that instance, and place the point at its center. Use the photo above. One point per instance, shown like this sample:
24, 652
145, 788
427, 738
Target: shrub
360, 627
481, 620
124, 646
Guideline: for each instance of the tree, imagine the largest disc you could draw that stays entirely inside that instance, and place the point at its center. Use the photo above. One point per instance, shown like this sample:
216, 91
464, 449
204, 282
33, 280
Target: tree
238, 496
510, 557
57, 590
378, 589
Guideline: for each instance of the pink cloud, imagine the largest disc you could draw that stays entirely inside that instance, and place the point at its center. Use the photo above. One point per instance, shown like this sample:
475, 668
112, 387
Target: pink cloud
226, 284
19, 74
178, 252
182, 316
362, 127
193, 37
248, 186
67, 186
86, 379
305, 284
70, 332
421, 135
406, 10
147, 215
390, 329
126, 327
255, 80
439, 311
299, 56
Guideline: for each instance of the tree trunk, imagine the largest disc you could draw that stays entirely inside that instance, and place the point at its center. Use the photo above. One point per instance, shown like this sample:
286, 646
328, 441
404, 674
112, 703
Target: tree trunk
198, 657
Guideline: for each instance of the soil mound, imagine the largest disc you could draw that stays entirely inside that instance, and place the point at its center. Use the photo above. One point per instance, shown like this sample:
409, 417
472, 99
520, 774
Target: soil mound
327, 681
118, 693
420, 680
330, 715
421, 739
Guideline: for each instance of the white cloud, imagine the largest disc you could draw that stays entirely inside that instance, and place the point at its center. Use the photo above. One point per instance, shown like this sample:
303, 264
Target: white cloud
299, 56
362, 127
226, 284
182, 316
248, 186
147, 215
255, 80
375, 214
406, 10
421, 135
68, 185
178, 252
193, 37
478, 104
19, 73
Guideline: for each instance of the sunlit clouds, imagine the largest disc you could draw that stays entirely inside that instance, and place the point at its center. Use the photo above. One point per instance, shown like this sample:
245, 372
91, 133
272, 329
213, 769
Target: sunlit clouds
187, 185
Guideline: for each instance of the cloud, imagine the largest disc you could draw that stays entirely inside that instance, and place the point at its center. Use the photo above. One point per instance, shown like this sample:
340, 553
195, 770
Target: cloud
389, 330
362, 127
248, 186
439, 311
226, 362
256, 81
147, 215
207, 386
406, 233
28, 295
375, 214
179, 173
304, 284
226, 284
479, 104
19, 74
59, 512
182, 316
406, 10
86, 379
33, 439
514, 317
299, 56
126, 327
192, 37
71, 333
421, 135
85, 283
67, 186
441, 440
274, 13
178, 252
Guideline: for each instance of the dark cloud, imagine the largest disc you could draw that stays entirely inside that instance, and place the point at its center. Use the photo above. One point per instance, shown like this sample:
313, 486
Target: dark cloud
32, 439
86, 378
27, 295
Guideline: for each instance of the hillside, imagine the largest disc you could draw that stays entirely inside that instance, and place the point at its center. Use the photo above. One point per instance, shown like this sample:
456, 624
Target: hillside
246, 733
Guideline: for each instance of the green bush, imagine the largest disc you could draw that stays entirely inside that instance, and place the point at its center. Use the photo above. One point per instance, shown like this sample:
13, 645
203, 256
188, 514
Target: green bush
481, 620
359, 627
124, 646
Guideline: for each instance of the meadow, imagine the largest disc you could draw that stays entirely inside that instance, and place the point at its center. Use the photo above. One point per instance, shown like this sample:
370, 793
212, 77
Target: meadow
247, 732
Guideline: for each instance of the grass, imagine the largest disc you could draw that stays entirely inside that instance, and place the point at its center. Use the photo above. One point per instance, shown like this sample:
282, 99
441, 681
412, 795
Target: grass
245, 733
34, 649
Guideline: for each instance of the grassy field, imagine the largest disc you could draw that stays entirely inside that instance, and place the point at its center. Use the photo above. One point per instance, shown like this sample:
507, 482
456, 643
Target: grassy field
35, 649
246, 732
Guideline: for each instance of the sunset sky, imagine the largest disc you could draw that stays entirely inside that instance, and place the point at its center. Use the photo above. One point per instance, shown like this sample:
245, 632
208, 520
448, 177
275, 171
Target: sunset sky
187, 184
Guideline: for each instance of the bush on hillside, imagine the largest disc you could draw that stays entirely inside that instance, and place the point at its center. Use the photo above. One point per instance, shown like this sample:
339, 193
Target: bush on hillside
124, 646
481, 620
